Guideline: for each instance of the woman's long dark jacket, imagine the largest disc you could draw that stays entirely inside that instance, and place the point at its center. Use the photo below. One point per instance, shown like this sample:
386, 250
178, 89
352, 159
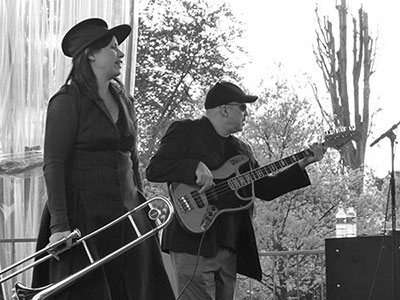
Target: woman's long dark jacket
92, 177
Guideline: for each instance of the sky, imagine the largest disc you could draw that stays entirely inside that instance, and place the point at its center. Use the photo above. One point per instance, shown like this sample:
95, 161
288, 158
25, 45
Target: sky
283, 31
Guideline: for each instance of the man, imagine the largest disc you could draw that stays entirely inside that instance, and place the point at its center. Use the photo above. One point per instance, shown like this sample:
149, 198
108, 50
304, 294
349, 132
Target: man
188, 153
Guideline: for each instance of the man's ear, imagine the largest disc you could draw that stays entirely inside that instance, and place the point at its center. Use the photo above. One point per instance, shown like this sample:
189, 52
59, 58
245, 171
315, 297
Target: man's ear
223, 110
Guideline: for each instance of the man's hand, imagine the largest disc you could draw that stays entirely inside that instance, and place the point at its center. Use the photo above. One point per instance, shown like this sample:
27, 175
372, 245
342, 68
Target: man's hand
204, 177
318, 153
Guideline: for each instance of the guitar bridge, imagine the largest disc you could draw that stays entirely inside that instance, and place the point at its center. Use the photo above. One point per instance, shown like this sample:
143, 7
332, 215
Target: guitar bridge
184, 204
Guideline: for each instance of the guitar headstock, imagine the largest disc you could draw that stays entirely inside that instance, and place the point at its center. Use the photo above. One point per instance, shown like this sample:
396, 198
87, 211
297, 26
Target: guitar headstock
338, 138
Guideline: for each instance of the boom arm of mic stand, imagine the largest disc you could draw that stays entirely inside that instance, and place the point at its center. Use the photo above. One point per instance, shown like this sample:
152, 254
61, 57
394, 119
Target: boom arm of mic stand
386, 134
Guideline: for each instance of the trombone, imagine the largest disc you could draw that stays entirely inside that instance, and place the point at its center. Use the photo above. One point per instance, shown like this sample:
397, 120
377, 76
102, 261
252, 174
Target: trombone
160, 211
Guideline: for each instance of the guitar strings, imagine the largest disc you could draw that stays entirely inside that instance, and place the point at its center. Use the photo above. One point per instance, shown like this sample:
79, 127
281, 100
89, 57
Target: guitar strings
224, 187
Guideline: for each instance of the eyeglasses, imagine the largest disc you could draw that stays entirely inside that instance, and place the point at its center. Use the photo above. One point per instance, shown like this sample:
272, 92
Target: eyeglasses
241, 106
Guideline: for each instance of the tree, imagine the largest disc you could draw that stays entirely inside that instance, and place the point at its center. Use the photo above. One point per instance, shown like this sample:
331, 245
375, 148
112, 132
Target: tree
282, 123
184, 47
333, 64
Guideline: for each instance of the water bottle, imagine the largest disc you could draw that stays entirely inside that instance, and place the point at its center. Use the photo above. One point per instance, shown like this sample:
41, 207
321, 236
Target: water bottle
341, 222
351, 222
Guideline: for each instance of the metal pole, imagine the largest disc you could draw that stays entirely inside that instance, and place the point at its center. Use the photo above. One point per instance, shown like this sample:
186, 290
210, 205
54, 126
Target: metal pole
131, 50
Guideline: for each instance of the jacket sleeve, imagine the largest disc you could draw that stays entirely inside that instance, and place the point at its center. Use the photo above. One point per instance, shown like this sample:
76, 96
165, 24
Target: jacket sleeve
136, 169
276, 185
134, 128
288, 180
170, 163
60, 133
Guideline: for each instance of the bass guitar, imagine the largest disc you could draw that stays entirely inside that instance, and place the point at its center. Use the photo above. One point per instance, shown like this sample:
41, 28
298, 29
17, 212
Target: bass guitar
196, 211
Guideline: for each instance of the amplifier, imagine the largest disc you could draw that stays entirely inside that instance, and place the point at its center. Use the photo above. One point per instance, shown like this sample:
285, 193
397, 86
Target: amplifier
361, 268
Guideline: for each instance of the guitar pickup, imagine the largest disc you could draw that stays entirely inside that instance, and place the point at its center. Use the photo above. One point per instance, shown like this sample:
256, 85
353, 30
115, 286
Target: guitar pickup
197, 199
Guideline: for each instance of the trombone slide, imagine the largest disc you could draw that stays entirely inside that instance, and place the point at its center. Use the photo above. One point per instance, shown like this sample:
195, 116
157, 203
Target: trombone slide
161, 212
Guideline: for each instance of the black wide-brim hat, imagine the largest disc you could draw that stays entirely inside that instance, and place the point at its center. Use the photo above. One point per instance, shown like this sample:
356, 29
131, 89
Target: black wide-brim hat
88, 31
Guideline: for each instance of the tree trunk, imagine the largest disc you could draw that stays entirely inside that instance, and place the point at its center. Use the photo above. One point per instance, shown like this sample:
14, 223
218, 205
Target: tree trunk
334, 70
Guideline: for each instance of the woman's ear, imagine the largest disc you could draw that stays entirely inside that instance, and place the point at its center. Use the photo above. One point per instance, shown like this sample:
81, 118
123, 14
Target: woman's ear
90, 55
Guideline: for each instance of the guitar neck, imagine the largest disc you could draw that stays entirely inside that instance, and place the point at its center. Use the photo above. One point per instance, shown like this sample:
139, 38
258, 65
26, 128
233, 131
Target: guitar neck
251, 176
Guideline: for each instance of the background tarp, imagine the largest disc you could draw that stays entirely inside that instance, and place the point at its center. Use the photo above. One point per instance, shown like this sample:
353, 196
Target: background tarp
32, 68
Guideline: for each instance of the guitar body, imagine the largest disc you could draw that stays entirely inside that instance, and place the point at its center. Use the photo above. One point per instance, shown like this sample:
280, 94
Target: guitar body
197, 211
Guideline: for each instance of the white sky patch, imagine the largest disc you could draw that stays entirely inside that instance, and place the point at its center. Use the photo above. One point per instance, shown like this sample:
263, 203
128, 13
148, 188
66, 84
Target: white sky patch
284, 31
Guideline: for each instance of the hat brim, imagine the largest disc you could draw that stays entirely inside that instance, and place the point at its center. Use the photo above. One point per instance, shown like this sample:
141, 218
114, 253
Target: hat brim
121, 32
247, 99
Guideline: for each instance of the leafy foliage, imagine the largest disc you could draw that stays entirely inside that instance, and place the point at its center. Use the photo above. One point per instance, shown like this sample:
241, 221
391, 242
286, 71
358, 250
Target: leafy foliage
184, 47
282, 124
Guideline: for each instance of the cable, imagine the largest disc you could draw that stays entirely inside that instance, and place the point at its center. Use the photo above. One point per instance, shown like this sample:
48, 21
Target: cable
195, 267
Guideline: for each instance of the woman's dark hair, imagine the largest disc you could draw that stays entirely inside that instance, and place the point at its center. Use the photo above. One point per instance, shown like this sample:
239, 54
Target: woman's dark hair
82, 73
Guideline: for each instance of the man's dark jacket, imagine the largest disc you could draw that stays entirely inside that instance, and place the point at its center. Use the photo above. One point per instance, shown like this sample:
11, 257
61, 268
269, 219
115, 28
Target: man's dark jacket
184, 145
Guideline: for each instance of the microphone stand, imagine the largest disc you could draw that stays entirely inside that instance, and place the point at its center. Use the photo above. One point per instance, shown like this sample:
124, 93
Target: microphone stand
390, 134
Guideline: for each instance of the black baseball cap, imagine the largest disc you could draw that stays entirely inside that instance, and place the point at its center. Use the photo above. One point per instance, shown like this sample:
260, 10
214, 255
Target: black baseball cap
224, 92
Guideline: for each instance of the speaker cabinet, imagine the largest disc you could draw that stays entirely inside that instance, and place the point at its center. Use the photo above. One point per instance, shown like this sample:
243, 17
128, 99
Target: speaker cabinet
361, 268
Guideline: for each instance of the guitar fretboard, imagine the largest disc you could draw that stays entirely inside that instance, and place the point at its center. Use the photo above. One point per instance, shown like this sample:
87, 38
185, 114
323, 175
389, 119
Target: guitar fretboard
251, 176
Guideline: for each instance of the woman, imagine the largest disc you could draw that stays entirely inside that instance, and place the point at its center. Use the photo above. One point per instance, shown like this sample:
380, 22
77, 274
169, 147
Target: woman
92, 176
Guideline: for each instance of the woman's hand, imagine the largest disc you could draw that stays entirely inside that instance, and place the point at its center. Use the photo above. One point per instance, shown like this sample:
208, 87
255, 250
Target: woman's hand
57, 236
